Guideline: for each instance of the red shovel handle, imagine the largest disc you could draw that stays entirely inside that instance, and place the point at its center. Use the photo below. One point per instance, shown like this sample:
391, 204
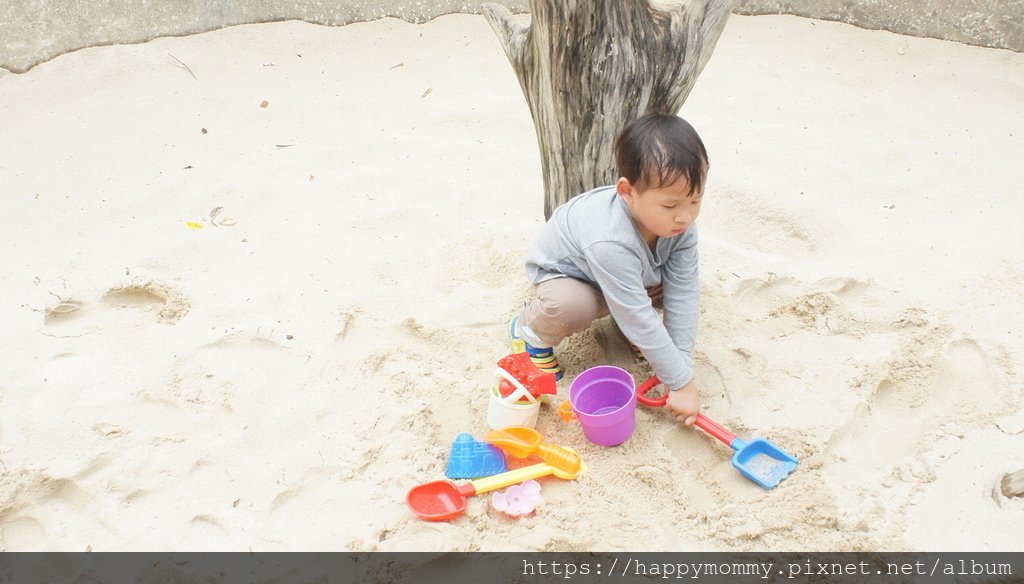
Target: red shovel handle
703, 422
641, 393
712, 427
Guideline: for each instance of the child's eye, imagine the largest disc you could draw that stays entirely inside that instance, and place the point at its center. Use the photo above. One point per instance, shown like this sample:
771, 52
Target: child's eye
669, 206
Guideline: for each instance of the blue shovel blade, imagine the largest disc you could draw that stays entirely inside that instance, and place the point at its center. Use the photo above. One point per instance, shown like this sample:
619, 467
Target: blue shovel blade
762, 462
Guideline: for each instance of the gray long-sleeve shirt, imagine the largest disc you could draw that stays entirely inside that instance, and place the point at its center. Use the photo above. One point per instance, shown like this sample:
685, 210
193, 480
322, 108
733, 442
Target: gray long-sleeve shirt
592, 237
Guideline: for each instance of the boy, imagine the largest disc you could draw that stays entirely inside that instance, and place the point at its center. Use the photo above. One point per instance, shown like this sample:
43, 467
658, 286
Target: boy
625, 250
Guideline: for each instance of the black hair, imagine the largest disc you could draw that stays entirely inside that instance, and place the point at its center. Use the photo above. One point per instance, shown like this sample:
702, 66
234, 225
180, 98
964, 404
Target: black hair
656, 149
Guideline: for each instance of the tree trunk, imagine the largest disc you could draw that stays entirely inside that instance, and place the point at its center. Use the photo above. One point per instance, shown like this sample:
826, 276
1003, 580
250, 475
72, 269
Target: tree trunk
588, 67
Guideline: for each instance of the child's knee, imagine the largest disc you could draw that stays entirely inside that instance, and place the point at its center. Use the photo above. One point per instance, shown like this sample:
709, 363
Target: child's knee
570, 315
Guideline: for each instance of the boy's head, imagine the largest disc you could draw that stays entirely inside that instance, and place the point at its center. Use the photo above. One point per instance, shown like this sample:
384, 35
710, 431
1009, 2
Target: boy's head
662, 167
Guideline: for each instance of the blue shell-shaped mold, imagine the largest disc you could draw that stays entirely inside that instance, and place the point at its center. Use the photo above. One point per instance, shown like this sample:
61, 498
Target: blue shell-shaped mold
471, 459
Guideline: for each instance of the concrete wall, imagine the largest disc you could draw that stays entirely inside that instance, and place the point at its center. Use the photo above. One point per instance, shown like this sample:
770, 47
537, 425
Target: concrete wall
34, 31
988, 23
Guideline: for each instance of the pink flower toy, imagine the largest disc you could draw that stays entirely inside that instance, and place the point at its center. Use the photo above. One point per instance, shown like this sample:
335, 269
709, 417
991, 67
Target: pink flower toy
518, 500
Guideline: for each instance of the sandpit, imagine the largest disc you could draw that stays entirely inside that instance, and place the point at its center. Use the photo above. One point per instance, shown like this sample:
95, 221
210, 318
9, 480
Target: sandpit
235, 327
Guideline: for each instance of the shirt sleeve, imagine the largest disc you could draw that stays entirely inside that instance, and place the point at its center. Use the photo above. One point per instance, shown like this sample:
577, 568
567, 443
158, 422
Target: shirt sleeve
618, 273
681, 288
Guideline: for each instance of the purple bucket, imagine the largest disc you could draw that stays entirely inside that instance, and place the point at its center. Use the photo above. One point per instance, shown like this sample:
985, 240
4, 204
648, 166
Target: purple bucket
603, 399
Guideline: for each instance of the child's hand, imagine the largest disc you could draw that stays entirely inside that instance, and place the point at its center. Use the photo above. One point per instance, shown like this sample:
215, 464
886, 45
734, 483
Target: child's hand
684, 403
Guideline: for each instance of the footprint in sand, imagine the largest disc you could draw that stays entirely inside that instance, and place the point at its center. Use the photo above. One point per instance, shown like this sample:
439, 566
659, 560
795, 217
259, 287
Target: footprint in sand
64, 310
873, 339
23, 533
928, 382
110, 431
152, 297
828, 306
133, 304
205, 521
418, 360
256, 367
780, 327
34, 501
63, 368
757, 298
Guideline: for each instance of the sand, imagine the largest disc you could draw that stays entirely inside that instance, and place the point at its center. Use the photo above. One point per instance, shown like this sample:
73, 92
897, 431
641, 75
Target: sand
278, 375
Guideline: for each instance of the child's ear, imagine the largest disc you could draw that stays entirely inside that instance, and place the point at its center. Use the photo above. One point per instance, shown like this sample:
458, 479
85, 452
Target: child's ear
625, 188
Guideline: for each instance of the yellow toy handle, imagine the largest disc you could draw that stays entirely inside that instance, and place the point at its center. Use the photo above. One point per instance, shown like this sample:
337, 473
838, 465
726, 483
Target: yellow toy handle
534, 471
512, 477
562, 458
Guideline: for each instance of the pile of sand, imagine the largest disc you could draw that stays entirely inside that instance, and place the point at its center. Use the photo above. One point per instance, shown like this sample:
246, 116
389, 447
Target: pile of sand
232, 327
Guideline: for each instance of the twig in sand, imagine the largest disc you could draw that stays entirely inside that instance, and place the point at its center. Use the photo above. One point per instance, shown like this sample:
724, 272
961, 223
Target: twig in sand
58, 296
184, 66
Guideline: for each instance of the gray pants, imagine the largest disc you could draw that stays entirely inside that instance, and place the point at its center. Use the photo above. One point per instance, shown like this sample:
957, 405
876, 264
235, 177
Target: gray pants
563, 307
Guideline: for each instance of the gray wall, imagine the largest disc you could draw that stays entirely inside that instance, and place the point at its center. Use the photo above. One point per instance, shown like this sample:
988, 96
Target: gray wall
988, 23
34, 31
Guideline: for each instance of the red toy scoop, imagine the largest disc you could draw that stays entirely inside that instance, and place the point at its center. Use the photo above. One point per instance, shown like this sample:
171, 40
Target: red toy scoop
439, 500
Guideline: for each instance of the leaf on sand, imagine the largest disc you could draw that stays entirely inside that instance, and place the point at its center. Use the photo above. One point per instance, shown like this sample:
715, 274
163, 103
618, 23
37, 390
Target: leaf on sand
226, 222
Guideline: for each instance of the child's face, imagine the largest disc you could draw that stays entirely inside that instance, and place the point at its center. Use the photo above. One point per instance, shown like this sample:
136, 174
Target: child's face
665, 211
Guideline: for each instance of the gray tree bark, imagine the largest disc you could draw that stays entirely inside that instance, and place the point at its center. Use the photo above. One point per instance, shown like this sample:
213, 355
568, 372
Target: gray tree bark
588, 67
